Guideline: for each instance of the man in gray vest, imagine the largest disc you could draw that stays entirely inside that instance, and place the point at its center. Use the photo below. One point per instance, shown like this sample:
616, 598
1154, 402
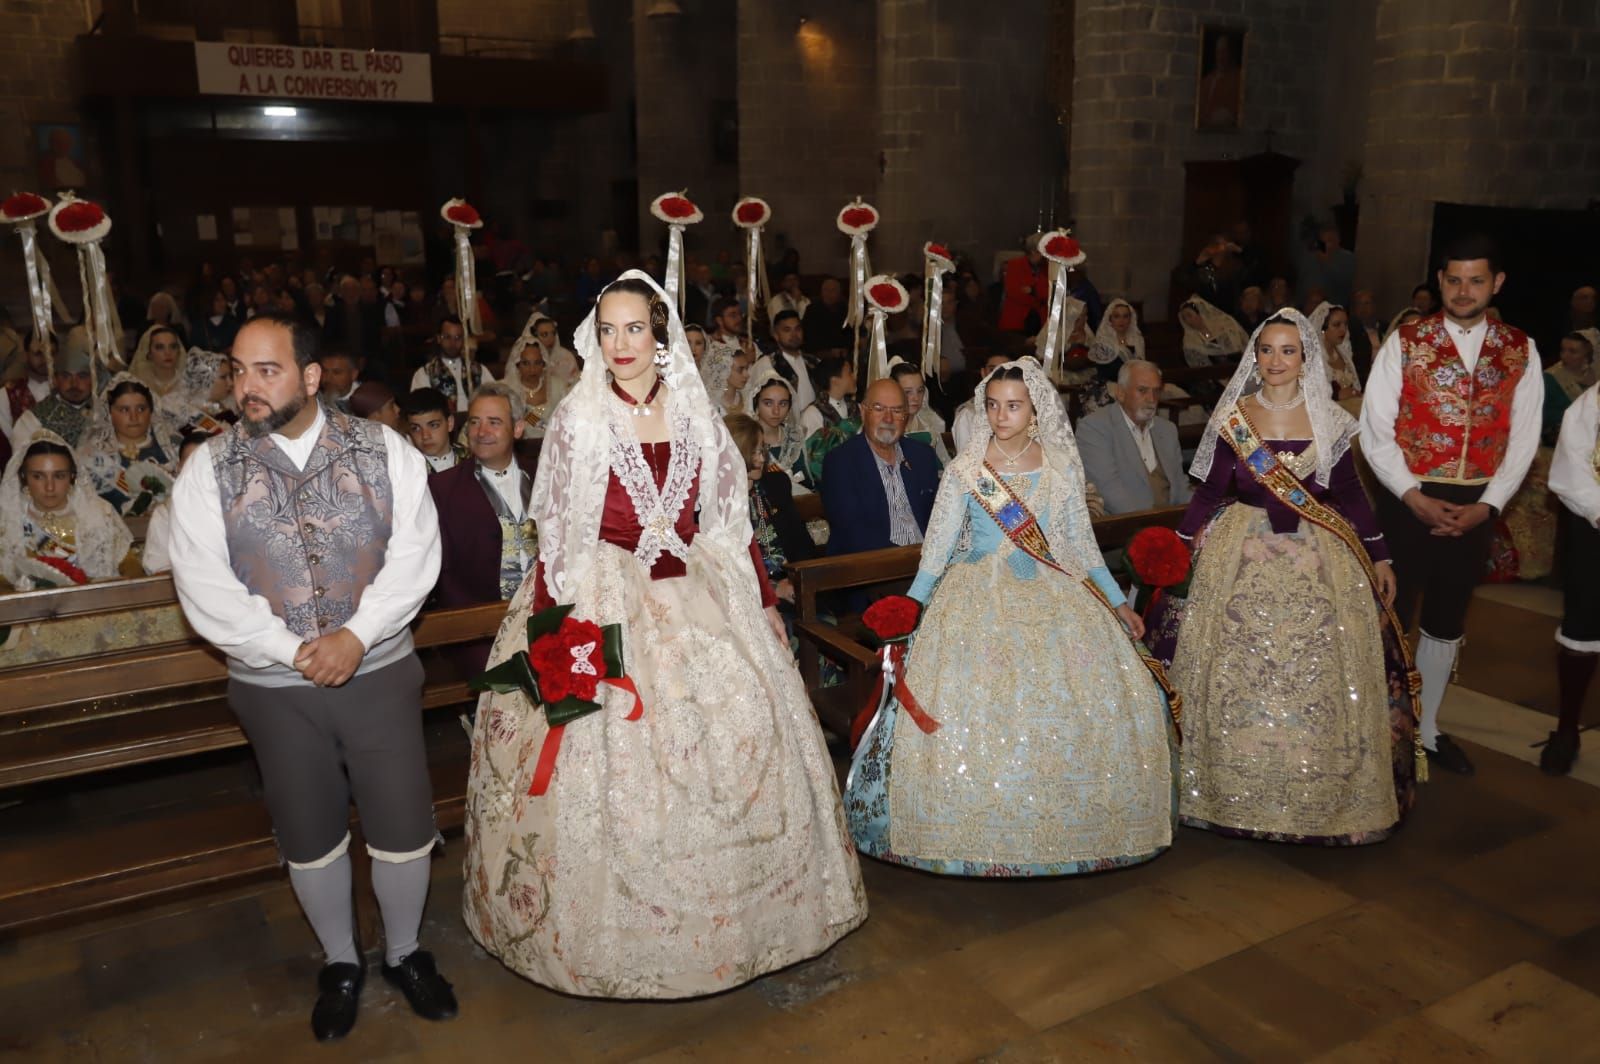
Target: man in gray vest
303, 543
1130, 452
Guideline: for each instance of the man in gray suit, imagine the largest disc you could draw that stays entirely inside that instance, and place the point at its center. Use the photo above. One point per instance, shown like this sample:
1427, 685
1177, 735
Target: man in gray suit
1129, 453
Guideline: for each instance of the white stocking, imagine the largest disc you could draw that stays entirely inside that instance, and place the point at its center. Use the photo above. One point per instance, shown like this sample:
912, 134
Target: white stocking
1435, 660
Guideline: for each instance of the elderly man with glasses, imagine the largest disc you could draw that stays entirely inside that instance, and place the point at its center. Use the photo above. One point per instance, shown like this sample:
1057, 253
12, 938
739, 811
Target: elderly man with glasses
878, 487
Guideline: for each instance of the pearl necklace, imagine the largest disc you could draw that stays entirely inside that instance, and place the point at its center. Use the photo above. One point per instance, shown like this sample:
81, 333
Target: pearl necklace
1012, 459
1290, 404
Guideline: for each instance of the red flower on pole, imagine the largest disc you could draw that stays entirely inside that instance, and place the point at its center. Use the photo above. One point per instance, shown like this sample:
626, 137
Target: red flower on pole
887, 294
675, 208
23, 205
1159, 556
463, 214
751, 212
1062, 247
894, 617
857, 218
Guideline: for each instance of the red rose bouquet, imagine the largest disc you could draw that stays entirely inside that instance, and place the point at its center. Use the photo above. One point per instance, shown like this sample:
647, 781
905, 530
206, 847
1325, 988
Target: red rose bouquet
566, 662
1157, 560
892, 620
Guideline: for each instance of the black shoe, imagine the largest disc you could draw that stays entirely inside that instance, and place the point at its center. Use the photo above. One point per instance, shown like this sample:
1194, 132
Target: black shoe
1450, 757
426, 990
338, 996
1559, 753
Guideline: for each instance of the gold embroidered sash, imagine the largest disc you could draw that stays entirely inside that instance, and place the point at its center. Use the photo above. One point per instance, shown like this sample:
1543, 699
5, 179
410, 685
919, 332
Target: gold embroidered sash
1023, 529
1270, 472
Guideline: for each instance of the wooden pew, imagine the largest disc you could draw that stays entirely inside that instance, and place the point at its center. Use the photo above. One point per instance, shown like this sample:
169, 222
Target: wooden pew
845, 642
81, 716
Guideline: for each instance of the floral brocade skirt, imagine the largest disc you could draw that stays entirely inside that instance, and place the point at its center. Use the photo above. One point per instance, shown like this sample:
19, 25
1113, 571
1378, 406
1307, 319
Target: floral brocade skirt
1297, 724
1055, 752
679, 854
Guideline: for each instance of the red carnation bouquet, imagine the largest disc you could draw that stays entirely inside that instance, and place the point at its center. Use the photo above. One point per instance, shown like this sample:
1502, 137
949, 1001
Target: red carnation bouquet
566, 662
1157, 560
892, 620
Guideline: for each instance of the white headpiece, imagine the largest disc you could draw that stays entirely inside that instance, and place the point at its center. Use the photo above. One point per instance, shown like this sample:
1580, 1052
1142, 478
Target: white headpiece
1342, 363
715, 368
1055, 430
590, 427
1108, 347
102, 539
1218, 323
1332, 428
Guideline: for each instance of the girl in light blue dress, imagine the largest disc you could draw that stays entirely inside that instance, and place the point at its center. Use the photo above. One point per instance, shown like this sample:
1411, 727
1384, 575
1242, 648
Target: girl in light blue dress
1052, 749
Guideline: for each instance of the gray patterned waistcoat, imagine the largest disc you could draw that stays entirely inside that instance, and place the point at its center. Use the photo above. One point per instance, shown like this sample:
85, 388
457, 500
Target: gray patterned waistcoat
308, 541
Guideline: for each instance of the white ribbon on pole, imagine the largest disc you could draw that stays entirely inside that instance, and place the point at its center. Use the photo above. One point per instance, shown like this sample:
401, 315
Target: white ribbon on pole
877, 714
756, 290
39, 283
1055, 344
675, 280
467, 296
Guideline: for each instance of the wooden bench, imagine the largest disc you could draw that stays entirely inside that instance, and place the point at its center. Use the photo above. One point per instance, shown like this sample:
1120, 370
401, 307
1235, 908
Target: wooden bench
845, 642
82, 716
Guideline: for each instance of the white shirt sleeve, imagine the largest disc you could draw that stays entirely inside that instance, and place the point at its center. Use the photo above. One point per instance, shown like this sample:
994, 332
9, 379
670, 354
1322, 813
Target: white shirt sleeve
1527, 421
1572, 472
1379, 407
419, 379
156, 557
5, 416
411, 563
215, 602
810, 422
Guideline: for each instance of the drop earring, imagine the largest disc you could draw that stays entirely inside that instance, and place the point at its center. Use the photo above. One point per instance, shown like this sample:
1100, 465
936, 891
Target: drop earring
662, 357
1033, 427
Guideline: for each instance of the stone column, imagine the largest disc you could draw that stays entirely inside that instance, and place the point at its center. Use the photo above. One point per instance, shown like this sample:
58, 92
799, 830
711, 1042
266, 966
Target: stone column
808, 123
969, 144
1485, 102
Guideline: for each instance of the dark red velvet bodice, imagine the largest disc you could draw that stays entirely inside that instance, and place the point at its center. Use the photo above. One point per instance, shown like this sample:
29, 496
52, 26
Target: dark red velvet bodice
619, 526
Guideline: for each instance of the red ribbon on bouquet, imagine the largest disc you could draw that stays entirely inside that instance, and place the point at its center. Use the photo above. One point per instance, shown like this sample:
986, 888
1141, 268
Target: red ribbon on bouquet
546, 765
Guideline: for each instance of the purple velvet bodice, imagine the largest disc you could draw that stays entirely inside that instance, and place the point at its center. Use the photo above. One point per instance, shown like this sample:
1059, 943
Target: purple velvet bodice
1230, 482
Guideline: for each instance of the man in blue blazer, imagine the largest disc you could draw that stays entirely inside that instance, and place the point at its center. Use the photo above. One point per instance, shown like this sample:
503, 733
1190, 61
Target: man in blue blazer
878, 488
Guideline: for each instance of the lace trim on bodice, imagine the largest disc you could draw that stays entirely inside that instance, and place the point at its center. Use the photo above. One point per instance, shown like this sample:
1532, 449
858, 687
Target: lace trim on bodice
657, 510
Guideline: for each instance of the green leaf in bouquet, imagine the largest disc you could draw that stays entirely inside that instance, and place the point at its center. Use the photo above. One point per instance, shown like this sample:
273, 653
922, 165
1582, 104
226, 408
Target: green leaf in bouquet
513, 674
569, 709
546, 621
611, 647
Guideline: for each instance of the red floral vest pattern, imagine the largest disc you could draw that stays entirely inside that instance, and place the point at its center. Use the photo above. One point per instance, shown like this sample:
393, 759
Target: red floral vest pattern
1453, 425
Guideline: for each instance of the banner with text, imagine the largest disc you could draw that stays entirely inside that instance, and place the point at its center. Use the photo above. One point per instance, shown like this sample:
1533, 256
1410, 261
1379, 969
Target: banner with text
286, 72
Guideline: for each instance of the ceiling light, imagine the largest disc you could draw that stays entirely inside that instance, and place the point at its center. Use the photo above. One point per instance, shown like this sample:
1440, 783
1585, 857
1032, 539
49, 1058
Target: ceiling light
279, 112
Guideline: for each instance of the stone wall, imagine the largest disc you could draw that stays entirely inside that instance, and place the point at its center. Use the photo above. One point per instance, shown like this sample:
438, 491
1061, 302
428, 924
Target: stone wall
969, 141
683, 65
808, 123
1133, 122
1487, 102
541, 22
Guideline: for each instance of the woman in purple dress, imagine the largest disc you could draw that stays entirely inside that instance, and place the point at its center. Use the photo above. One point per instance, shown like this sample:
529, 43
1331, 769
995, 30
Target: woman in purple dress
1298, 689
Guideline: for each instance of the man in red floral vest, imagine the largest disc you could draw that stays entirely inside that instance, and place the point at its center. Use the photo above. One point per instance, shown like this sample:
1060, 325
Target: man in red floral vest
1450, 424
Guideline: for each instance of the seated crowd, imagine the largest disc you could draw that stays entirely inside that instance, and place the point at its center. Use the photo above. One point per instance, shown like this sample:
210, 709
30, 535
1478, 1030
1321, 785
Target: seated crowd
88, 452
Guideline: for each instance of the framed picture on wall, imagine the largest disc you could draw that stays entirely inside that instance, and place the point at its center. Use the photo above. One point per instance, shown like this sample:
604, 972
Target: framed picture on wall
1219, 96
61, 156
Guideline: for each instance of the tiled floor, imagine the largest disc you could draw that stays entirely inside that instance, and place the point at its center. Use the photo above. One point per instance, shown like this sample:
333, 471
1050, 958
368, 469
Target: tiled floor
1474, 934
